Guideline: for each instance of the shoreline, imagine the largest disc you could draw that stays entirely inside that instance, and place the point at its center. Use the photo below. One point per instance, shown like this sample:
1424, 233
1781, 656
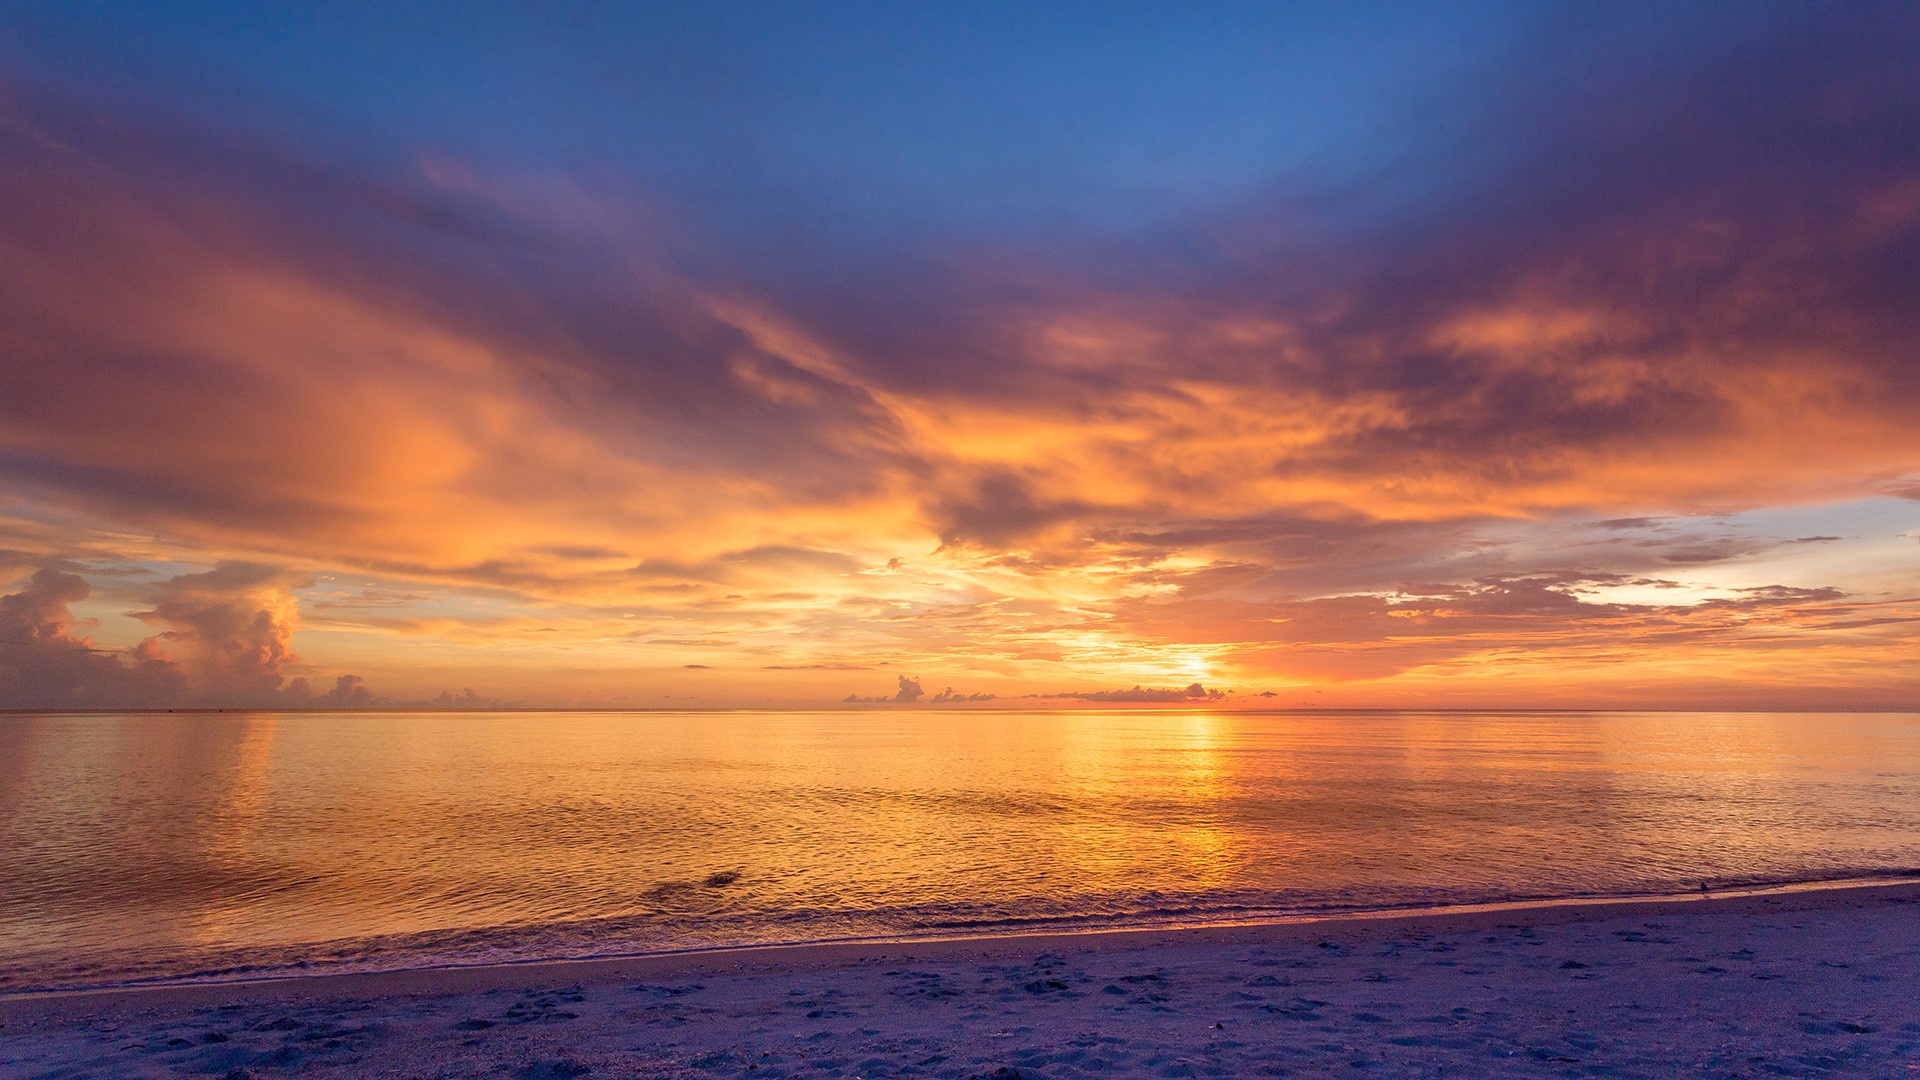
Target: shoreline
1810, 981
800, 956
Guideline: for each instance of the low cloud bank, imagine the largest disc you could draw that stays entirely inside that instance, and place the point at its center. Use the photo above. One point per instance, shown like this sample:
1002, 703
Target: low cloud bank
911, 692
1142, 695
224, 640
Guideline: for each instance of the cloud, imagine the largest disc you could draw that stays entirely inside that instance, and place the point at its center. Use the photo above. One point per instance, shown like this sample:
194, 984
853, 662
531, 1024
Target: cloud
998, 509
950, 696
347, 692
45, 665
911, 692
1544, 623
230, 629
1350, 430
465, 699
1143, 695
371, 386
226, 641
1618, 285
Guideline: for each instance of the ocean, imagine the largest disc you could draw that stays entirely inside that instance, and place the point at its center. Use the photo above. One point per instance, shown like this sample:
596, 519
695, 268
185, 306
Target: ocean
195, 846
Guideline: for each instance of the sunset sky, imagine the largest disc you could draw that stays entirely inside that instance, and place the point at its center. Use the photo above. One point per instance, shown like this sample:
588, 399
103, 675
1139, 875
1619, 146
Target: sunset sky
1327, 354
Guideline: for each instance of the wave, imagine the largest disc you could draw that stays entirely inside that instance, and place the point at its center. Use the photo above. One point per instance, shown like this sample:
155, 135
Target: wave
660, 934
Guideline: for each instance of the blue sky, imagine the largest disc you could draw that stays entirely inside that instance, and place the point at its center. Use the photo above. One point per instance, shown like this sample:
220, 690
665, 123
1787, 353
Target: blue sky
833, 117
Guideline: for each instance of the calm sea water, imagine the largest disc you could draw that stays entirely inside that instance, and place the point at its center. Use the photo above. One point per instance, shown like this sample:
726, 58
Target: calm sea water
194, 846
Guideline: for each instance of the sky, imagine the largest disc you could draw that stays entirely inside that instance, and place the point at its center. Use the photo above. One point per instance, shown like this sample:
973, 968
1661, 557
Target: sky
1476, 355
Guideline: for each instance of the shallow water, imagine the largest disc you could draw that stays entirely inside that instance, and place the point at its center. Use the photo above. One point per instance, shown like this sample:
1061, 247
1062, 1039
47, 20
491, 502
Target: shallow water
194, 845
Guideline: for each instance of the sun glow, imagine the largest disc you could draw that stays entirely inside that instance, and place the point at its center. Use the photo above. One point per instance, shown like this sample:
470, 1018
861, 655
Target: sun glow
288, 421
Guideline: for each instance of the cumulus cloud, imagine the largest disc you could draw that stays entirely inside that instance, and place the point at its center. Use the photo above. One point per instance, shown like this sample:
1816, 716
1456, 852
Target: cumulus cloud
45, 664
225, 640
909, 692
229, 629
347, 692
465, 699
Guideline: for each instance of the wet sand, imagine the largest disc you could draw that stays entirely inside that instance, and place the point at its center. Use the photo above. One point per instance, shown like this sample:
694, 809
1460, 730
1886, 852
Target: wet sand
1815, 982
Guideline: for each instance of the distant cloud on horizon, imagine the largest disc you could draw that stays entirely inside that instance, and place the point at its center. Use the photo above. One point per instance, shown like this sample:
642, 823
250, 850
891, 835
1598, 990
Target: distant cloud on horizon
224, 640
1191, 694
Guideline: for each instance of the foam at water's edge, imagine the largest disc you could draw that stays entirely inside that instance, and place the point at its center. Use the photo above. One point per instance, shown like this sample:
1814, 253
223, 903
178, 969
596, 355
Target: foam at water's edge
399, 960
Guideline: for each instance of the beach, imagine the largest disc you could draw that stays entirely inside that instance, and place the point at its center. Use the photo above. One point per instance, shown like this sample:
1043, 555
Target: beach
1806, 982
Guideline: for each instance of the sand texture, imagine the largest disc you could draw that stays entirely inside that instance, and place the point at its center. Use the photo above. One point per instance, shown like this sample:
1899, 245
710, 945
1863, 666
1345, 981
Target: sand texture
1816, 983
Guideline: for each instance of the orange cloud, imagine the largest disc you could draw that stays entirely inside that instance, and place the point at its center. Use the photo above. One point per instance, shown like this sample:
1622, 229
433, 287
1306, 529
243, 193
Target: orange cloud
536, 437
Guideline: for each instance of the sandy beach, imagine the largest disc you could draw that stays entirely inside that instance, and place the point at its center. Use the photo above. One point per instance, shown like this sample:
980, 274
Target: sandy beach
1814, 982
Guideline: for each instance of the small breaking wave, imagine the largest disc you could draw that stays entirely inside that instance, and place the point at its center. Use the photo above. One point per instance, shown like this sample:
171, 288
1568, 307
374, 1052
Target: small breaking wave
641, 936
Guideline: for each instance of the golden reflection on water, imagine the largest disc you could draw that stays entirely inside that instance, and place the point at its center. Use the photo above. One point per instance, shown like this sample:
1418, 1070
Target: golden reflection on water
171, 836
233, 823
1211, 856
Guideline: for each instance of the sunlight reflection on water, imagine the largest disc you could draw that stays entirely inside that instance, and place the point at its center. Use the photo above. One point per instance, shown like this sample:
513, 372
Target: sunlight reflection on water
160, 845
